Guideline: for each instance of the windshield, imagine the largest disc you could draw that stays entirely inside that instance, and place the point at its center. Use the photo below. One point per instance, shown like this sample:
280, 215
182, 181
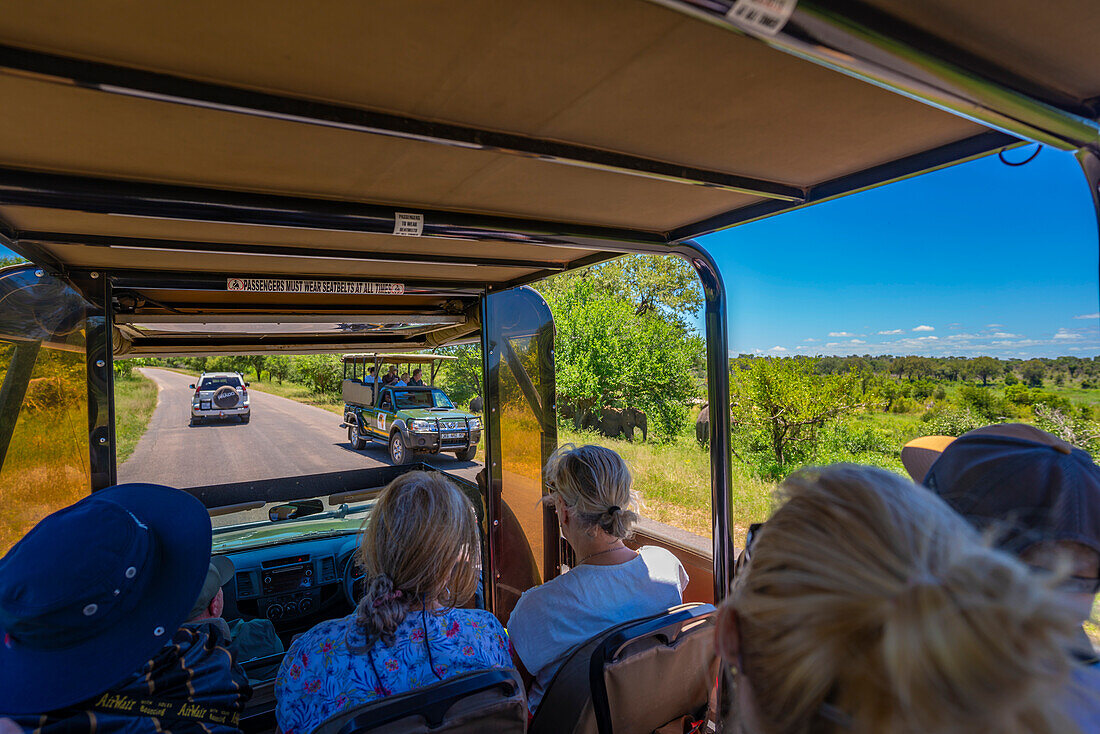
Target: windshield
422, 399
213, 383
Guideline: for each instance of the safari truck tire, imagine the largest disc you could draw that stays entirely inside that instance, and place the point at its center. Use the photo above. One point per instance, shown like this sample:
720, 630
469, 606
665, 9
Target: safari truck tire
399, 452
466, 454
355, 439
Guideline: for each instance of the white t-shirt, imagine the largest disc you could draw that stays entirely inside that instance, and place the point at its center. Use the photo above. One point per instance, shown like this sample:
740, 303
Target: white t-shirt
550, 620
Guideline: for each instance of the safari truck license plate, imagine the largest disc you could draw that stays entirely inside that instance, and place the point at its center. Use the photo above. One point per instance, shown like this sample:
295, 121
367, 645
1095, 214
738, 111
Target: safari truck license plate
452, 436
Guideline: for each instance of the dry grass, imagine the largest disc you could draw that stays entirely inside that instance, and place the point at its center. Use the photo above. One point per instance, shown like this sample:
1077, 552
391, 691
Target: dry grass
46, 467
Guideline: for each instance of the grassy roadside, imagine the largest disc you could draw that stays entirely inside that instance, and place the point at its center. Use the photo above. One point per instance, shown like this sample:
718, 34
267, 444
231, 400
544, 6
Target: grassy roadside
135, 400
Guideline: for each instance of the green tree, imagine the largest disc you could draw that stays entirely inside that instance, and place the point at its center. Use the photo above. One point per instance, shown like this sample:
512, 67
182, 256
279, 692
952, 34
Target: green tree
278, 367
460, 378
788, 403
605, 349
984, 368
661, 285
1033, 372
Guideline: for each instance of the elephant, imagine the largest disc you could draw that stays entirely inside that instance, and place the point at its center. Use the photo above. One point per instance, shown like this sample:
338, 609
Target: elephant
584, 417
476, 404
614, 422
702, 426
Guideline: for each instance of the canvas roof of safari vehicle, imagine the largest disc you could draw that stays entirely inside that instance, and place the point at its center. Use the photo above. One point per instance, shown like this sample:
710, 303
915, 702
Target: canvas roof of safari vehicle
359, 169
398, 358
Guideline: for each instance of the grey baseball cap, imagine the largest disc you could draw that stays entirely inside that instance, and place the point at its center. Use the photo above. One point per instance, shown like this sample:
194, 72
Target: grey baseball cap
220, 571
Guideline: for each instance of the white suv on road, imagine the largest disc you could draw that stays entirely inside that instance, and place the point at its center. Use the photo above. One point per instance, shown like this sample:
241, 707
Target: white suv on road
220, 395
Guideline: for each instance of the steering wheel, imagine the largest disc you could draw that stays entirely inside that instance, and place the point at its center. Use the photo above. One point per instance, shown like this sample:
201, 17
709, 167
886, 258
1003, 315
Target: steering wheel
353, 582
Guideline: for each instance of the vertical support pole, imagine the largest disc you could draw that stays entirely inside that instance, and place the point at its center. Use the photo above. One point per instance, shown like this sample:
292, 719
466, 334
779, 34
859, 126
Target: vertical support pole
14, 389
490, 373
1089, 159
718, 393
101, 384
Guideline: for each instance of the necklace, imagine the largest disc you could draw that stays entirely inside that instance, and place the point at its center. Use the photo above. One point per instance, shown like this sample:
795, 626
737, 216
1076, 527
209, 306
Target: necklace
600, 553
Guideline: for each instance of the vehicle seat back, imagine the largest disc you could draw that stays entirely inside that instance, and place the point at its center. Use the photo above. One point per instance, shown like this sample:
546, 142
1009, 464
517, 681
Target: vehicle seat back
472, 703
634, 677
356, 393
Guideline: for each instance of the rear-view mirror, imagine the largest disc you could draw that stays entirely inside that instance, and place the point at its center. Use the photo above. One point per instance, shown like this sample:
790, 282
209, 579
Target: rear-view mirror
192, 386
296, 509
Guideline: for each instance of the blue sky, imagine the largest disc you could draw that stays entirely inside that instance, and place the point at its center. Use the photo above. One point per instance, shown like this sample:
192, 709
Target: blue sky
980, 258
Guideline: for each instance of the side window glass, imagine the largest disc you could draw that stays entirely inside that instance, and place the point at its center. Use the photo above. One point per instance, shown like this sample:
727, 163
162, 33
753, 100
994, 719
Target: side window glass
44, 459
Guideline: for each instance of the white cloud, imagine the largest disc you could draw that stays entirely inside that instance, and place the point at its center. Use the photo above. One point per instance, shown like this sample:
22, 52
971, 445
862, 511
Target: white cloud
1006, 335
1088, 316
965, 336
858, 341
809, 340
994, 326
924, 327
840, 333
1066, 334
777, 348
893, 331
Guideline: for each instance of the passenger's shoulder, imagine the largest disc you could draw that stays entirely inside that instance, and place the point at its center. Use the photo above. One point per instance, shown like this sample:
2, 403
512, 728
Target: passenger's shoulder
654, 554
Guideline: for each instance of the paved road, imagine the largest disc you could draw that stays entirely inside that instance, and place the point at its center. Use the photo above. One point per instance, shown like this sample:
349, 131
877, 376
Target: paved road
283, 439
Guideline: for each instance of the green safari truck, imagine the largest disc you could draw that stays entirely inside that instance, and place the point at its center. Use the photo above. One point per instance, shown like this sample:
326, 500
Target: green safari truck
410, 418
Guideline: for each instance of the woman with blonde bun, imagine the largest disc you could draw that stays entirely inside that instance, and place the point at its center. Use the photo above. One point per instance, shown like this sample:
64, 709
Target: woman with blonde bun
419, 552
591, 491
868, 606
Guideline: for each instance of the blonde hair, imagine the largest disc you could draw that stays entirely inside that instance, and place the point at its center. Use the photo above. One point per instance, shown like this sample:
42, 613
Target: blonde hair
596, 484
419, 545
867, 605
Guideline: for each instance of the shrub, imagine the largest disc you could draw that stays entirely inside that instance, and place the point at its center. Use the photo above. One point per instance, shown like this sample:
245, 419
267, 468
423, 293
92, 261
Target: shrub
124, 368
954, 422
983, 402
321, 373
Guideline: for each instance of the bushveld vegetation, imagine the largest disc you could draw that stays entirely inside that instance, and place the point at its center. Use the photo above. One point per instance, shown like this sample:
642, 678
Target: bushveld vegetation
625, 338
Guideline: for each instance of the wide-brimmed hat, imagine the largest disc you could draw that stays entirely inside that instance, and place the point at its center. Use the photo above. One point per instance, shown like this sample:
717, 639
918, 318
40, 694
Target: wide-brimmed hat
1027, 485
94, 590
220, 571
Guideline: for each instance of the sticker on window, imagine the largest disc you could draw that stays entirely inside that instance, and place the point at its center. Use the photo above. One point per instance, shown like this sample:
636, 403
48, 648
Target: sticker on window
324, 287
380, 421
762, 16
408, 225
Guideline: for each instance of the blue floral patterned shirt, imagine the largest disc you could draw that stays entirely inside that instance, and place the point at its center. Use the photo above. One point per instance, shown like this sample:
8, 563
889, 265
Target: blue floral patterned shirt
321, 676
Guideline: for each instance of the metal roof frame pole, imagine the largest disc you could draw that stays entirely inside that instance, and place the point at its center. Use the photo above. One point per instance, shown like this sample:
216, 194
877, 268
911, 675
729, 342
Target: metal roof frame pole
96, 289
490, 373
1089, 158
718, 393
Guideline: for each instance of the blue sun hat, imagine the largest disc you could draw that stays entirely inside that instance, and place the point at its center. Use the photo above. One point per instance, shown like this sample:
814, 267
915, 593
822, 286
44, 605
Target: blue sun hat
94, 591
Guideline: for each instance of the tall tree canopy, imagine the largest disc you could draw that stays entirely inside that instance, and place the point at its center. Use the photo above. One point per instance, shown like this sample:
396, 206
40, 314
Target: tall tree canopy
624, 340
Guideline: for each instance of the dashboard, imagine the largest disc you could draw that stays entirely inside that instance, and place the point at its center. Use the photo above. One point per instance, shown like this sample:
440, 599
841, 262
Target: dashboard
291, 582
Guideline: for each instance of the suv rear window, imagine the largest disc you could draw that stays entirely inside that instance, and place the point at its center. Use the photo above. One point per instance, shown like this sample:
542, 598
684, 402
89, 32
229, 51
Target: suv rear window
213, 383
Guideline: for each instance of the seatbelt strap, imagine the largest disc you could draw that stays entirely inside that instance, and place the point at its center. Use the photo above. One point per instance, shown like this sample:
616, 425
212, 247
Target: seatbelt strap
122, 705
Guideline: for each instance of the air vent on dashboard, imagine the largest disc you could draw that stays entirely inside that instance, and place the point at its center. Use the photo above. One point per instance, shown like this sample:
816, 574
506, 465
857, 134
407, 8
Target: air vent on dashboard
328, 569
245, 586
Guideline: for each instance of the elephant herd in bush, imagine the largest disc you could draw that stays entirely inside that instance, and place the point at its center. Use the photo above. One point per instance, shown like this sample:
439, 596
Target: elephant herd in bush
610, 422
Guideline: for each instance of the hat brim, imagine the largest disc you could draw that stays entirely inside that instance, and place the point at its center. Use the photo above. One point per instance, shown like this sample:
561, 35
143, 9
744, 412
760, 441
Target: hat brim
920, 454
40, 681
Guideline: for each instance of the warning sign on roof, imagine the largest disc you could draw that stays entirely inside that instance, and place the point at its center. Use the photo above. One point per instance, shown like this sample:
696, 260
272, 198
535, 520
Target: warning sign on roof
762, 16
328, 287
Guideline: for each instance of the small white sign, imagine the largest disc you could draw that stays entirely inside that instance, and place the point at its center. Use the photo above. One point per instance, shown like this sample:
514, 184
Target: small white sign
381, 421
324, 287
762, 16
408, 225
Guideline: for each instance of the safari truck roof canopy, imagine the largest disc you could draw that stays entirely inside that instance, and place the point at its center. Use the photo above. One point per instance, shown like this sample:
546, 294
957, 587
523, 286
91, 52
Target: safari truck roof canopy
334, 176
